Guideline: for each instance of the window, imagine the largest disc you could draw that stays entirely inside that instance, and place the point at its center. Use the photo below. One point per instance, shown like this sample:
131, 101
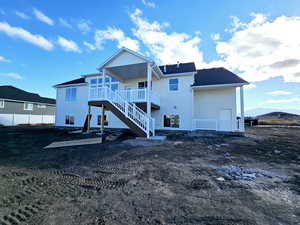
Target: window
70, 94
114, 87
69, 120
41, 106
28, 106
105, 120
173, 84
1, 103
110, 82
171, 121
142, 84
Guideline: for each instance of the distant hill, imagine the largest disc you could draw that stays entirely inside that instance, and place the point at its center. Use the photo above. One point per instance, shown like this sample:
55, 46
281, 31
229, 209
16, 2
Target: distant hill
261, 111
279, 118
279, 115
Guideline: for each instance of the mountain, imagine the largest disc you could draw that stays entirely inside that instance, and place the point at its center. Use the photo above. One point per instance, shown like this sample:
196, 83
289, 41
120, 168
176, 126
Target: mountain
279, 115
262, 111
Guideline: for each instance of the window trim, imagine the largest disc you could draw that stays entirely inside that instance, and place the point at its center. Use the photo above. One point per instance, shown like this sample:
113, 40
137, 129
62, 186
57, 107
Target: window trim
69, 120
163, 121
41, 106
69, 98
169, 85
27, 108
2, 105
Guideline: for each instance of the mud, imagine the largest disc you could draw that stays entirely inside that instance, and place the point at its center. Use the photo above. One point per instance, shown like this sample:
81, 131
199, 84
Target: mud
176, 182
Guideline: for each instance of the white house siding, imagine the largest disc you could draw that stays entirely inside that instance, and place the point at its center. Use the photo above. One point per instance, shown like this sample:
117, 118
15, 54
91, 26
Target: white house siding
77, 108
174, 102
208, 103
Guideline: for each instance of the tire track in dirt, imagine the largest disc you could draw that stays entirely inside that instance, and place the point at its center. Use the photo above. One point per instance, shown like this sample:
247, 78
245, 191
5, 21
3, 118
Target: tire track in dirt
23, 214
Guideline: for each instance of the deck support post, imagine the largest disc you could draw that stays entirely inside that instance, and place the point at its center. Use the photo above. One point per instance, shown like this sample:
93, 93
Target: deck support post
102, 120
149, 83
89, 119
242, 124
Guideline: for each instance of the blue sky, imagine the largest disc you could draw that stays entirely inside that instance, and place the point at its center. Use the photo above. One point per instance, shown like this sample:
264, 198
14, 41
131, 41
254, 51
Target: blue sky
43, 43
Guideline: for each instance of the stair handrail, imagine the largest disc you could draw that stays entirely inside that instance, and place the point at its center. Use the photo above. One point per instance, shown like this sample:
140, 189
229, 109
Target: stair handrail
131, 111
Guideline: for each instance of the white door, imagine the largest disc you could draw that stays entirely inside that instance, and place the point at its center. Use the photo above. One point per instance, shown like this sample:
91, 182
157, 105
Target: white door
225, 120
128, 95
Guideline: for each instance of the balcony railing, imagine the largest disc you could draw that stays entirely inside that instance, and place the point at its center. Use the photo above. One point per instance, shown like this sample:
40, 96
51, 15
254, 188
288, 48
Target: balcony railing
130, 95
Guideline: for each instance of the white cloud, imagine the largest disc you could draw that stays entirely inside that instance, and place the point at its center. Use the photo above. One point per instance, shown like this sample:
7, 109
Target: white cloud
250, 86
149, 3
115, 34
89, 45
65, 23
22, 15
84, 26
2, 59
215, 37
68, 45
42, 17
279, 92
262, 49
12, 75
166, 47
276, 101
25, 35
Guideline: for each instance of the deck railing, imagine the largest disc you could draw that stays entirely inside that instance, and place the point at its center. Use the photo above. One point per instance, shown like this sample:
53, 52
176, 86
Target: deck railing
139, 95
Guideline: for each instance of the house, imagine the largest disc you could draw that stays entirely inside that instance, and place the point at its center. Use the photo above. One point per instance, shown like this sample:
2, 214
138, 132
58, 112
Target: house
21, 107
179, 97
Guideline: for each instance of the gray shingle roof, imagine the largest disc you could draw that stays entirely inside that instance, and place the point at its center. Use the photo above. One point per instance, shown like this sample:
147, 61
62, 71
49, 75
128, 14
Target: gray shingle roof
13, 93
216, 76
181, 68
76, 81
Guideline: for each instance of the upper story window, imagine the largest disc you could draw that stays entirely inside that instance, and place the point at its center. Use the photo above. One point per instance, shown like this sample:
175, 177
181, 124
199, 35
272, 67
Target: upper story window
28, 106
41, 106
69, 120
173, 84
109, 82
71, 94
1, 103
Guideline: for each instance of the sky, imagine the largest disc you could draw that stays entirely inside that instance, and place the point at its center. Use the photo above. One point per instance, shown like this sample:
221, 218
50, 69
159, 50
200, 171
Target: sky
43, 43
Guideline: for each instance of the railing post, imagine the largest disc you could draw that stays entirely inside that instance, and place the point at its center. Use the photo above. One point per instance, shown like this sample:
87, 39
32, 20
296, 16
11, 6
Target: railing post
148, 127
126, 109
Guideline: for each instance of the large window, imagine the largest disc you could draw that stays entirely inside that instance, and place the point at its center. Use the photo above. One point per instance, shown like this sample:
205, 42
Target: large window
69, 120
105, 120
173, 84
109, 82
142, 84
1, 103
171, 121
71, 94
28, 106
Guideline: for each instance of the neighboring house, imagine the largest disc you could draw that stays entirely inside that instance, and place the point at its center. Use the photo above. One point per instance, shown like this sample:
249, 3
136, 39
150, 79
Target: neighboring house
21, 107
179, 97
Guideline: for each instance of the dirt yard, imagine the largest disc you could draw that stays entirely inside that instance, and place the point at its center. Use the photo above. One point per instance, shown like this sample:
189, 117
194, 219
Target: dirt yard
189, 179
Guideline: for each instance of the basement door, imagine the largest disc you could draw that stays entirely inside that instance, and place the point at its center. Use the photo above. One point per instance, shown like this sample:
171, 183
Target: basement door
225, 120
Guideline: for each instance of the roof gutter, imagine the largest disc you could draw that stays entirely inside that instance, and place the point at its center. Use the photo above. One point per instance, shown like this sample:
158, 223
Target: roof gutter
219, 85
70, 85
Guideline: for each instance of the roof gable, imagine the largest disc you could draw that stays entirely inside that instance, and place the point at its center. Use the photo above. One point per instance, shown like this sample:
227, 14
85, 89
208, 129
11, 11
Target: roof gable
13, 93
124, 56
216, 76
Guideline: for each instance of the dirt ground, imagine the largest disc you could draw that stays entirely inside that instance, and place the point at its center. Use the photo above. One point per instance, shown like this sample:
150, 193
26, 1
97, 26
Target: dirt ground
181, 181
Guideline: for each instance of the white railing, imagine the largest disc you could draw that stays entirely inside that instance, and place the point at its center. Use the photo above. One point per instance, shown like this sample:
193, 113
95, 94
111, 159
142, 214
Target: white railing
139, 95
205, 124
131, 111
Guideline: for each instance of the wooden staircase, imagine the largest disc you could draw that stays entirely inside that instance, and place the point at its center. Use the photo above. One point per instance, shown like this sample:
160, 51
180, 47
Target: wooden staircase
130, 114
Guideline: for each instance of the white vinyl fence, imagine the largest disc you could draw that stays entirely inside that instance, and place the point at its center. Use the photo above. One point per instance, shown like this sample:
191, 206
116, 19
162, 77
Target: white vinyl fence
16, 119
